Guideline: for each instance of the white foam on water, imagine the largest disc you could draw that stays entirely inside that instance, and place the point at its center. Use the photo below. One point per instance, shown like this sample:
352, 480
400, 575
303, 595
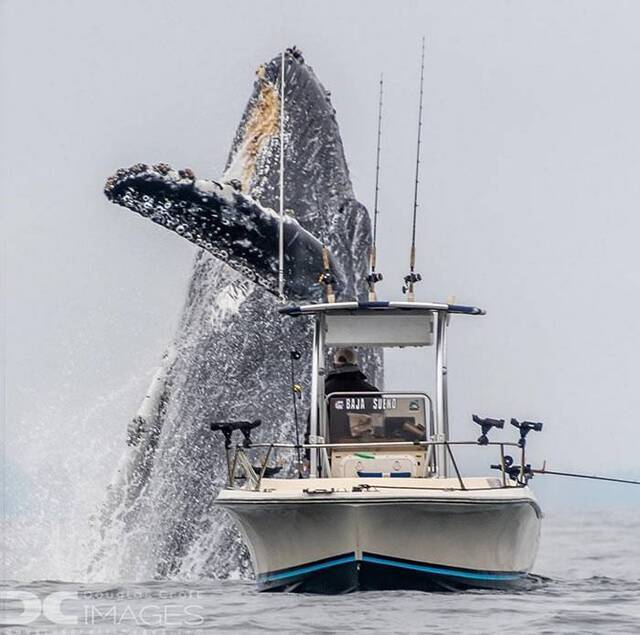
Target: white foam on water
61, 463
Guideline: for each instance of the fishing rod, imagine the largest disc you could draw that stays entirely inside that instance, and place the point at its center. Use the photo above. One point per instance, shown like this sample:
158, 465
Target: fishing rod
296, 393
592, 477
412, 277
374, 276
326, 278
524, 472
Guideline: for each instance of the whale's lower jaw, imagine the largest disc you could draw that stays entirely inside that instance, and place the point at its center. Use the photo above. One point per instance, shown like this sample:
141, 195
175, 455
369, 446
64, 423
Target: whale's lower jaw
232, 226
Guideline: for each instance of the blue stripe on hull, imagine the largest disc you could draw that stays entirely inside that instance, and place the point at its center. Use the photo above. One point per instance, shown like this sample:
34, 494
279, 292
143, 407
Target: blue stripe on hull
308, 568
347, 571
439, 570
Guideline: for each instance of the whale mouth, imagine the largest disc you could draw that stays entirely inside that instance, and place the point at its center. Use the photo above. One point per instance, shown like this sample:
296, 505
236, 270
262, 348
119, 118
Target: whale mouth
230, 225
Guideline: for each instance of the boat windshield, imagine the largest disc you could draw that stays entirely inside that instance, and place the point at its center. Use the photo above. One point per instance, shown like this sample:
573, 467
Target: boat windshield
375, 417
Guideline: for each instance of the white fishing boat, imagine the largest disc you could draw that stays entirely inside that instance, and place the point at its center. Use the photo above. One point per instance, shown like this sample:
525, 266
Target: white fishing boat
376, 497
381, 501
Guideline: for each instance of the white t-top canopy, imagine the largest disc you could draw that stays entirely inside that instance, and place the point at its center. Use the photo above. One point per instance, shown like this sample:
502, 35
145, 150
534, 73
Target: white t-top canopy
368, 307
385, 324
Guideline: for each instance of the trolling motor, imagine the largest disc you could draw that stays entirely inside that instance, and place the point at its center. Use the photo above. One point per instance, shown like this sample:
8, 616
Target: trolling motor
525, 427
229, 427
485, 426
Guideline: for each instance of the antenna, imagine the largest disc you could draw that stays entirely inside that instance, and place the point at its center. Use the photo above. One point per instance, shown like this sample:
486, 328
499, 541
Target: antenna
412, 277
374, 276
281, 232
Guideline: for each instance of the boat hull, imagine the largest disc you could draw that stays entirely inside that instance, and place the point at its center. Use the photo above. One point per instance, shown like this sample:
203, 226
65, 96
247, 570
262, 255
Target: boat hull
380, 573
366, 540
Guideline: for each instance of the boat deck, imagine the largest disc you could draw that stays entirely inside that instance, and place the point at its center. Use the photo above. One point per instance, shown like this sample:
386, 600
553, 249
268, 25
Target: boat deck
379, 490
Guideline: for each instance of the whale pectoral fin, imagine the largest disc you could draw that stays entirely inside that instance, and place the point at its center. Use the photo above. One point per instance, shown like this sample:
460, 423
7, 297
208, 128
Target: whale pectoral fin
225, 222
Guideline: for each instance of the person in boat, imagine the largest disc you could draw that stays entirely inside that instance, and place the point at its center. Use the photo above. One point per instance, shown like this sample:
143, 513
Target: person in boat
346, 375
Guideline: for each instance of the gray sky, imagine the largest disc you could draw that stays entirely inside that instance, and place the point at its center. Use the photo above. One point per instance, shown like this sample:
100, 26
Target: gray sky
529, 199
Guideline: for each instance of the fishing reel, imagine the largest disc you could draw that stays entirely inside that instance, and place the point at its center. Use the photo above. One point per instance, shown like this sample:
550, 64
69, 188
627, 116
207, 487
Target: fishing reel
326, 278
525, 427
229, 427
374, 277
515, 472
485, 426
409, 280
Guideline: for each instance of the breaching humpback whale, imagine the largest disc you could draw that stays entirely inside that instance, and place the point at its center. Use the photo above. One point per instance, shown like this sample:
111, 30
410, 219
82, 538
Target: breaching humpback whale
229, 358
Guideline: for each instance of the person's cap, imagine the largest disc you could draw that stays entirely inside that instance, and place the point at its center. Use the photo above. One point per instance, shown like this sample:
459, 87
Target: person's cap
344, 356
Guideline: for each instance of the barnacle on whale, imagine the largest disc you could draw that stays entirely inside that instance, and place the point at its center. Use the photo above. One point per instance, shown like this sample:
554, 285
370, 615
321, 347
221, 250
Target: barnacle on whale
262, 126
232, 226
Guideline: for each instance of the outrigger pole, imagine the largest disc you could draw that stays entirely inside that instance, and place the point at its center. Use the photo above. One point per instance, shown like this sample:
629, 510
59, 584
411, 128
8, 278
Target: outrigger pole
374, 276
412, 277
281, 228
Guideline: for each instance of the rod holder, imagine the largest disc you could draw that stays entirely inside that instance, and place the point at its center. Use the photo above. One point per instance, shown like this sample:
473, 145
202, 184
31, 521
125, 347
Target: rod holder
486, 425
229, 427
525, 427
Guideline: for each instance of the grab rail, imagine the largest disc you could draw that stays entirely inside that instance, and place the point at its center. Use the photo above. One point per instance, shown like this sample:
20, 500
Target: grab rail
240, 458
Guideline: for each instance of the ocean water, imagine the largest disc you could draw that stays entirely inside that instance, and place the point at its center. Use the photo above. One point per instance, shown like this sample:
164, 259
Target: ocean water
590, 562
